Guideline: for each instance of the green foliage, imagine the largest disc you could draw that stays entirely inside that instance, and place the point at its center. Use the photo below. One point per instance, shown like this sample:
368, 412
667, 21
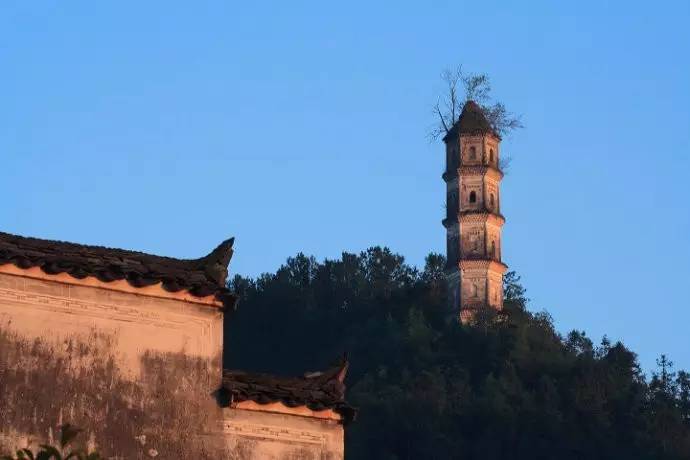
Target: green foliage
428, 388
46, 452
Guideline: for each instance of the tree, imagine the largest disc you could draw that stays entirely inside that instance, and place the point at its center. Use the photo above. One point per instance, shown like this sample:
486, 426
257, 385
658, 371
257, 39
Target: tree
666, 383
461, 87
431, 388
683, 385
513, 291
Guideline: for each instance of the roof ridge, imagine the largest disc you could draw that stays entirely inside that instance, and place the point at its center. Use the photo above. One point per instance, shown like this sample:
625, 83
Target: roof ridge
202, 277
320, 391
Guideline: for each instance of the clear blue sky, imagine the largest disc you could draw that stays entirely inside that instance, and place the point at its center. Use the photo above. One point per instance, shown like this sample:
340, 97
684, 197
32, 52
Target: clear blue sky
168, 126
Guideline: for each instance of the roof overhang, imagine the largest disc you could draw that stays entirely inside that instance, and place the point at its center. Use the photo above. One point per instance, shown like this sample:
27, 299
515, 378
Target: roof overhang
483, 264
280, 408
155, 290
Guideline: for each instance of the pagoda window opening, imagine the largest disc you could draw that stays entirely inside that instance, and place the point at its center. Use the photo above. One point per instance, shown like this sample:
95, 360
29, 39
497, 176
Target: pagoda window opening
491, 200
473, 153
473, 197
491, 155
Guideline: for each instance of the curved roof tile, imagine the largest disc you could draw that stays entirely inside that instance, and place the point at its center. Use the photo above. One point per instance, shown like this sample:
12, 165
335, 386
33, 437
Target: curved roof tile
200, 277
317, 390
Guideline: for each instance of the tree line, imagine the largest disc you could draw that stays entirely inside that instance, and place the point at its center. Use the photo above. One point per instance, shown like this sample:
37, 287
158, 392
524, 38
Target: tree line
509, 387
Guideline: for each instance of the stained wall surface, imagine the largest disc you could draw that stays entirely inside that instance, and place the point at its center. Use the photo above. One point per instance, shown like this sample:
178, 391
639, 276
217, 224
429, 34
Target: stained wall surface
269, 436
137, 372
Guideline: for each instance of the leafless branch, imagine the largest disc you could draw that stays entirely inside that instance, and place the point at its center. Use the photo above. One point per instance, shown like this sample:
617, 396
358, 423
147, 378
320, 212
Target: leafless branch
477, 88
501, 120
443, 121
504, 162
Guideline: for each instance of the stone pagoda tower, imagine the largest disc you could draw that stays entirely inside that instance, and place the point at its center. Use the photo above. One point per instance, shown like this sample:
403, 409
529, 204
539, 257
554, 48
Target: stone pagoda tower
473, 214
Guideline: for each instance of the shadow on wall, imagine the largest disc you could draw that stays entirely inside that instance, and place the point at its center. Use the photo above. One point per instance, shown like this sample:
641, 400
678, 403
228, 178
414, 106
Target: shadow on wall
168, 412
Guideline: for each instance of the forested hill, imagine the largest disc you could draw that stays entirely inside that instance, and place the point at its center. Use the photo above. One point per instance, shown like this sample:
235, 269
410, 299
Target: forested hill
428, 388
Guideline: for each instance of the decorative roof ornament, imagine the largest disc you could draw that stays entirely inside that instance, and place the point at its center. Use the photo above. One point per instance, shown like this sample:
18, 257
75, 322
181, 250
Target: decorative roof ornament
201, 277
315, 390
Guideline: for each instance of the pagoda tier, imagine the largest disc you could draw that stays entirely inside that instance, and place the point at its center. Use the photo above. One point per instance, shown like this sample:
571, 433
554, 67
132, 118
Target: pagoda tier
473, 221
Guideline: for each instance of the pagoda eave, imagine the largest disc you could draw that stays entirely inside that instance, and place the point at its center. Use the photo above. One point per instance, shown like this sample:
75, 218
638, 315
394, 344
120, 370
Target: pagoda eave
483, 264
481, 170
482, 216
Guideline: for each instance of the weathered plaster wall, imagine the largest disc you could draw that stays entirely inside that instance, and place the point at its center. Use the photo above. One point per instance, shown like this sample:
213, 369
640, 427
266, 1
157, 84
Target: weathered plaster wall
495, 289
472, 156
474, 286
484, 285
271, 436
490, 146
136, 372
474, 183
52, 309
473, 239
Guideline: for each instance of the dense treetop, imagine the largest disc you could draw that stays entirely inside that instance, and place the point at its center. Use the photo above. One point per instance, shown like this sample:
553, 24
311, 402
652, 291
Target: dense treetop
510, 387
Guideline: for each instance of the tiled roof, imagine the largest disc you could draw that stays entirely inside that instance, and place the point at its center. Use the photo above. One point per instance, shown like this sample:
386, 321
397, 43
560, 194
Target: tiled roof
200, 277
316, 390
472, 121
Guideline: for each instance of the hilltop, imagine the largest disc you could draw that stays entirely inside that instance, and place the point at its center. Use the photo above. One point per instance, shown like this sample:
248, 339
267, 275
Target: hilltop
428, 387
